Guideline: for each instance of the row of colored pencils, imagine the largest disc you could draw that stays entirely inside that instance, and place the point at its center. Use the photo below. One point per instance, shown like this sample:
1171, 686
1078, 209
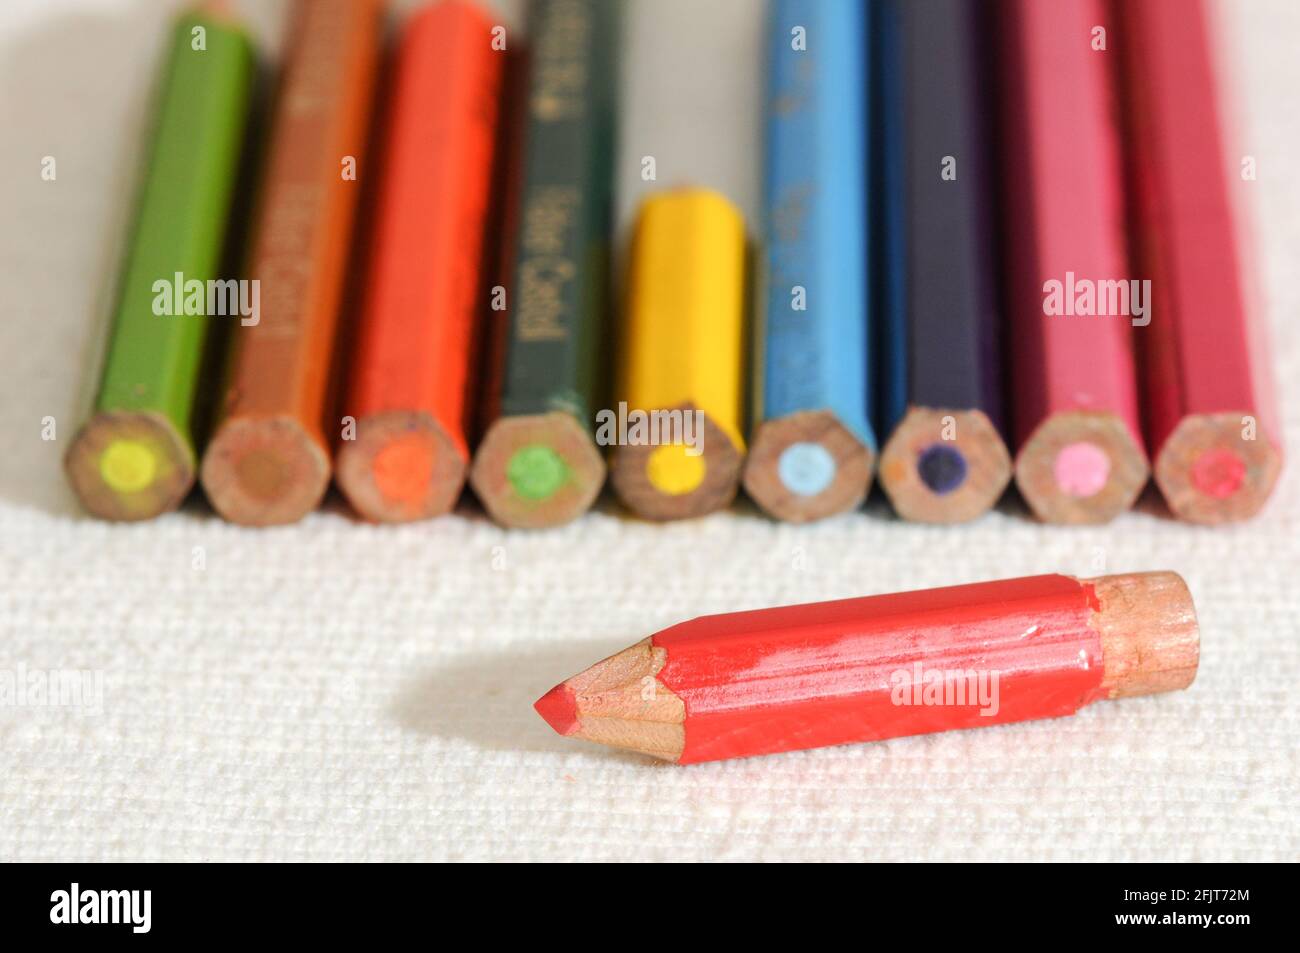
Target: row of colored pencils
447, 318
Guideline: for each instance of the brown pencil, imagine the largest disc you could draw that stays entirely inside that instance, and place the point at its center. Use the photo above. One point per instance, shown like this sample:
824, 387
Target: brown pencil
269, 458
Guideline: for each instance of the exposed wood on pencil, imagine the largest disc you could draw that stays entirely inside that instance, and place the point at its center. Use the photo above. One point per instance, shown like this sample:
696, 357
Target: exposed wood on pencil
944, 465
1110, 471
1209, 472
533, 471
842, 468
666, 483
402, 466
619, 702
265, 471
130, 465
1149, 634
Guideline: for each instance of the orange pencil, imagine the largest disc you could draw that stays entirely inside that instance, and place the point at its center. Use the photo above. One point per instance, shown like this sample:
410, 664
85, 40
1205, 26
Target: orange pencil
404, 450
269, 459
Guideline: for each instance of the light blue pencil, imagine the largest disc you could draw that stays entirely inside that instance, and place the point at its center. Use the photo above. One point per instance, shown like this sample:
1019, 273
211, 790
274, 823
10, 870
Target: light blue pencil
813, 445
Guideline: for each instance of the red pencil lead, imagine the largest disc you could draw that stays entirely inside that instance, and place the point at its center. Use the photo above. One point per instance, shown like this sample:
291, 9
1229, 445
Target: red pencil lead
558, 709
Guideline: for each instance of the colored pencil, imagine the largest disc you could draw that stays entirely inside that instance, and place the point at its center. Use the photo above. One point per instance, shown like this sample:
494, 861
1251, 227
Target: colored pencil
750, 683
812, 451
682, 352
269, 459
411, 392
1212, 426
1080, 455
135, 457
945, 459
538, 464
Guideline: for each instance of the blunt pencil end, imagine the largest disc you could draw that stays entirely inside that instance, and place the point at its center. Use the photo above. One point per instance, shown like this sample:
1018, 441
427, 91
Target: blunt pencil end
1081, 467
130, 465
402, 466
1209, 472
670, 482
807, 466
264, 472
944, 466
537, 470
1150, 639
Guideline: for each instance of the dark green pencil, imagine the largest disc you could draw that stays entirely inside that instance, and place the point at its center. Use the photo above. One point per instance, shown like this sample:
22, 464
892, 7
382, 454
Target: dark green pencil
538, 464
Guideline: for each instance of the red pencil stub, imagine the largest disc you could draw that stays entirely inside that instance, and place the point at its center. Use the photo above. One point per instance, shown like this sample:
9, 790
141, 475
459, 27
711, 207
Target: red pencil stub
748, 683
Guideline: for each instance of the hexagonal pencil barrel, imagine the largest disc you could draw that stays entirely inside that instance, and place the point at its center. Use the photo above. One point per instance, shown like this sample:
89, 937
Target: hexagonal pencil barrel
1080, 455
538, 464
945, 459
812, 448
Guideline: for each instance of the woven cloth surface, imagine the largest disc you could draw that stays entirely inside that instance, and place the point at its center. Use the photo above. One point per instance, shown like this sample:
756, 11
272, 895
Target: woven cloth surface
334, 691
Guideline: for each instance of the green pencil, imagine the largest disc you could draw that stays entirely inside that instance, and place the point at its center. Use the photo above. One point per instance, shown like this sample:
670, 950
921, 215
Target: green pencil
135, 457
538, 464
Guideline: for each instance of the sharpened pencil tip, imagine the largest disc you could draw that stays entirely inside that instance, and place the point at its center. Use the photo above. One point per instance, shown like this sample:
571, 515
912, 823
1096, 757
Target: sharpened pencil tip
559, 709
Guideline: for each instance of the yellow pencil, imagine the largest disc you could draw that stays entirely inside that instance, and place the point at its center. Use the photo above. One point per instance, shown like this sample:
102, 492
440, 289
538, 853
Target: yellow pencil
680, 439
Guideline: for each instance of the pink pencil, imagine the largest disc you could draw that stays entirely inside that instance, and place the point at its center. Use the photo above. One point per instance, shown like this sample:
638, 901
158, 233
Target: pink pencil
1073, 301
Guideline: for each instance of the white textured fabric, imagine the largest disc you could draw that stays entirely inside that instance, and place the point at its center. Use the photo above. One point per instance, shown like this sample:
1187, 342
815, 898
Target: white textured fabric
340, 691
